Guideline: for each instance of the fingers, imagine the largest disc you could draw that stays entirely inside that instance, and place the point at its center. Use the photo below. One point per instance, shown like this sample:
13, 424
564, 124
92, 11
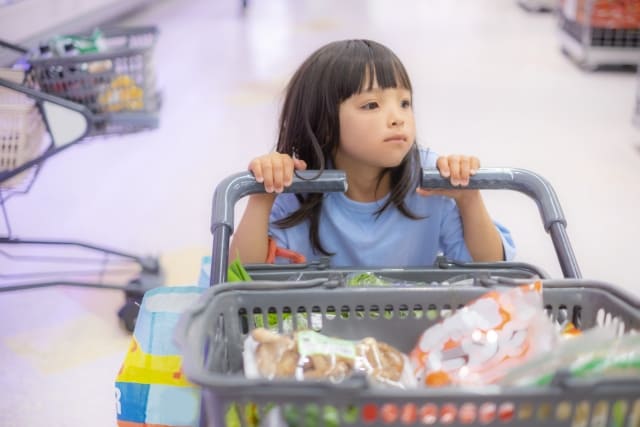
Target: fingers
275, 170
299, 164
455, 165
475, 164
458, 168
443, 166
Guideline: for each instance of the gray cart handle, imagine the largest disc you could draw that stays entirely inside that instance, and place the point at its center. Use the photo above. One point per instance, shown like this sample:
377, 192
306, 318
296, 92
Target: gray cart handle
534, 186
239, 185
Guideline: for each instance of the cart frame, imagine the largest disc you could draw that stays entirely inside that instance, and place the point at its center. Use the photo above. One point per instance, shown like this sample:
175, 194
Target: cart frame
211, 333
95, 125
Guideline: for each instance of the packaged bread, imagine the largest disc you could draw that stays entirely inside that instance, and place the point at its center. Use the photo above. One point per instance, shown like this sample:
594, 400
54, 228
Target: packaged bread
307, 355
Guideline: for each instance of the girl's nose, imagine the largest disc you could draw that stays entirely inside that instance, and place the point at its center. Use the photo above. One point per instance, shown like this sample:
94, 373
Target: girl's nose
396, 121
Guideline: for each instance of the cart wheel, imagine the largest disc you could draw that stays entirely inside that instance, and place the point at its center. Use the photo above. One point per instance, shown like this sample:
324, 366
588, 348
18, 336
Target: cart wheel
128, 314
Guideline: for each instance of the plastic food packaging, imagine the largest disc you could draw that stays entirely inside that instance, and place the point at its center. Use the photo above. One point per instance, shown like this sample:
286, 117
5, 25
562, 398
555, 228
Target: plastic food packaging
484, 340
122, 94
307, 354
597, 353
369, 279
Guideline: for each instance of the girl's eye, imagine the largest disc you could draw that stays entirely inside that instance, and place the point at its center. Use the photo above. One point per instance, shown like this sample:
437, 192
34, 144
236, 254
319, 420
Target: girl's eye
406, 103
370, 106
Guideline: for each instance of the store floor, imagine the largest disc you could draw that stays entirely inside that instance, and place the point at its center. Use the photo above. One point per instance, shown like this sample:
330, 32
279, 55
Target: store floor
489, 80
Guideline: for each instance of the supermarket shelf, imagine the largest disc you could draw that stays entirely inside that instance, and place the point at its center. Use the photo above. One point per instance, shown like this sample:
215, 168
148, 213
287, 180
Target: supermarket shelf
591, 57
594, 47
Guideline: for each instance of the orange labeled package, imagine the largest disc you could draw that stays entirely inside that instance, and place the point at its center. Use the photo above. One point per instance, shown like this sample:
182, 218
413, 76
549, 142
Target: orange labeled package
482, 341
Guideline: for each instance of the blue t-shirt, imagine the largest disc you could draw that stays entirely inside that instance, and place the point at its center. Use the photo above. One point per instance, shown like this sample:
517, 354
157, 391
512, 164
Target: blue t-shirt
357, 237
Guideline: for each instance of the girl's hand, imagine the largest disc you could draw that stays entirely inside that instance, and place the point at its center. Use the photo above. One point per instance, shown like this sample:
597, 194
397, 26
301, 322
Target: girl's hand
458, 169
275, 170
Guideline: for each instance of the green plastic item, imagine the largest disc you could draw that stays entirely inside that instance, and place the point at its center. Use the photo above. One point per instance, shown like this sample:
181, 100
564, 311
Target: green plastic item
237, 272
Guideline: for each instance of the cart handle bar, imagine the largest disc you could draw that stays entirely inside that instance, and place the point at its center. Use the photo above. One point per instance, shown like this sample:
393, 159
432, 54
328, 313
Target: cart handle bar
11, 46
239, 185
534, 186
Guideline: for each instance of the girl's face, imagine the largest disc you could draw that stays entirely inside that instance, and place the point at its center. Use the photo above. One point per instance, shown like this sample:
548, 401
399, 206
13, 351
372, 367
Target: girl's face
377, 128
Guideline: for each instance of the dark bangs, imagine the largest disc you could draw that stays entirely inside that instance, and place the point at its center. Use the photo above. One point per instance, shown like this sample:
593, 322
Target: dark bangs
363, 59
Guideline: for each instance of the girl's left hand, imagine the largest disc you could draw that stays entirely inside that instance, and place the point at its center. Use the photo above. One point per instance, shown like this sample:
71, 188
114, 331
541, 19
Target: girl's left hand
458, 168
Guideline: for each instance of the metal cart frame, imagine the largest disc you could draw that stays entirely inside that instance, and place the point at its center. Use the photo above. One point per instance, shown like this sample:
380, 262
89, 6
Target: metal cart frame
66, 73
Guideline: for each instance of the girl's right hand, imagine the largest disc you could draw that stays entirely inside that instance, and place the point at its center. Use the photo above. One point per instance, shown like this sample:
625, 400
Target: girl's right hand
275, 170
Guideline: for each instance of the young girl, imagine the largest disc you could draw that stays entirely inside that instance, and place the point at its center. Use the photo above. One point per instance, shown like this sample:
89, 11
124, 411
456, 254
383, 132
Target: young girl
349, 107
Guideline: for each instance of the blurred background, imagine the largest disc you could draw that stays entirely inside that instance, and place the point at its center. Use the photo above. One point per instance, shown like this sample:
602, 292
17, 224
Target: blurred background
542, 85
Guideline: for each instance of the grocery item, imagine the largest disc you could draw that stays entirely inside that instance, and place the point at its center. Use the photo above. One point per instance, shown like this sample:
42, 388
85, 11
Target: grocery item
370, 279
92, 43
612, 14
307, 354
237, 273
122, 94
274, 251
482, 341
594, 354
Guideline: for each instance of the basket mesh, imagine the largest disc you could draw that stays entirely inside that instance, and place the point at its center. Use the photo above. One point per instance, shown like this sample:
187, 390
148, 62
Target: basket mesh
22, 132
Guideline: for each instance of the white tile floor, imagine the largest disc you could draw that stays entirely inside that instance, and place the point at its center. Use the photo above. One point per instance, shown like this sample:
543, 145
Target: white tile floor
489, 80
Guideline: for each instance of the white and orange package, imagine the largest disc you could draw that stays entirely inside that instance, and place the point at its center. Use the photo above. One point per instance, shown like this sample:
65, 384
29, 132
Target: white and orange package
482, 341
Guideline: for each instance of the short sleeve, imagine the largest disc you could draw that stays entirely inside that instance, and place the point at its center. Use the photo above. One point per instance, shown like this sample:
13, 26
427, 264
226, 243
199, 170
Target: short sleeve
452, 241
428, 158
281, 208
452, 237
508, 245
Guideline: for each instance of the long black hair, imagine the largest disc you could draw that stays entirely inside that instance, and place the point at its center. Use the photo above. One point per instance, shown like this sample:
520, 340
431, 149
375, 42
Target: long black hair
309, 122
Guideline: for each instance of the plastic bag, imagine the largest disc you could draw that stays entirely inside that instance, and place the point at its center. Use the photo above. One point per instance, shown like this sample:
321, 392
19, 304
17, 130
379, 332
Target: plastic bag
597, 353
150, 387
370, 279
482, 341
311, 355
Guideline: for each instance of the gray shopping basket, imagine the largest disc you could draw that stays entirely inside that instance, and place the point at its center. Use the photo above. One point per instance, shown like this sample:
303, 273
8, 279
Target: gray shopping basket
212, 332
117, 85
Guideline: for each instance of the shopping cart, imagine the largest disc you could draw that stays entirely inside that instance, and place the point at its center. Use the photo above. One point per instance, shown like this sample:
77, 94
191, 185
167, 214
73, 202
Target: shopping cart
600, 33
54, 105
212, 332
116, 84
